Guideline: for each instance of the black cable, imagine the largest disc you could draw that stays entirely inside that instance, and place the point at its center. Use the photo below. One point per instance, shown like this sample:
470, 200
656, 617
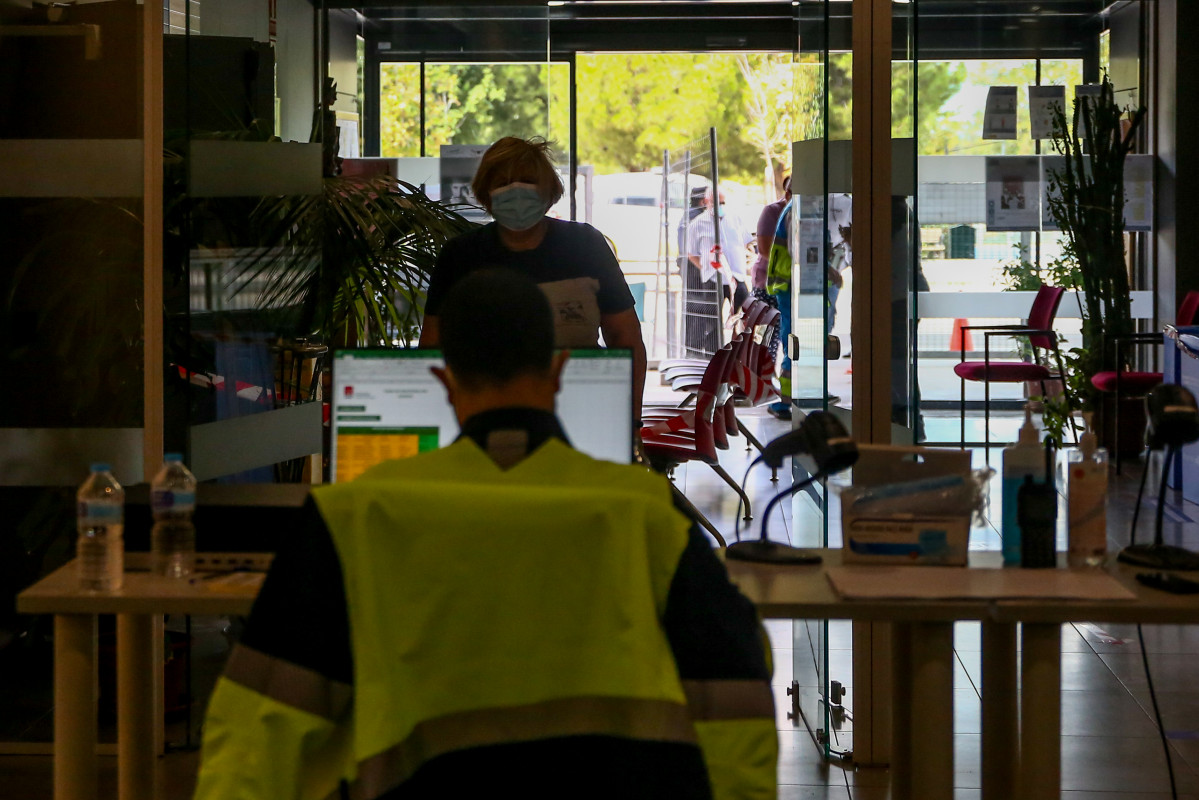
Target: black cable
1161, 729
1136, 511
1161, 495
774, 501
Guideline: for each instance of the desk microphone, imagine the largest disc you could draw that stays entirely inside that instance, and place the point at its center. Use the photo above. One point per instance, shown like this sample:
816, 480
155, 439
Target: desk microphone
821, 436
825, 439
1173, 417
1173, 422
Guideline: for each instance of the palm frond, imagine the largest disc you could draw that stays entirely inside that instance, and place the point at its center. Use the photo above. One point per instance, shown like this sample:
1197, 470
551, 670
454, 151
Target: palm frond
356, 257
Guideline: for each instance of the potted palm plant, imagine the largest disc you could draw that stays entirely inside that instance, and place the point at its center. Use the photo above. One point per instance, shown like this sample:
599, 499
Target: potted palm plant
1086, 201
352, 262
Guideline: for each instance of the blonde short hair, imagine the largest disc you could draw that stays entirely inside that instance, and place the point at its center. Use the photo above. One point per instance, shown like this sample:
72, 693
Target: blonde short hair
517, 160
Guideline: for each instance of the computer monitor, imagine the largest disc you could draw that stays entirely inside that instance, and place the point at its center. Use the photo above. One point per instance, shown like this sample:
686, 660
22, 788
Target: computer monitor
387, 404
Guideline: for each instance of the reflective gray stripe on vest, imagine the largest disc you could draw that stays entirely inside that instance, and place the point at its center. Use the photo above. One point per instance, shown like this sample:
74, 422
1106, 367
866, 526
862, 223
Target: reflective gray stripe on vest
293, 685
733, 699
649, 720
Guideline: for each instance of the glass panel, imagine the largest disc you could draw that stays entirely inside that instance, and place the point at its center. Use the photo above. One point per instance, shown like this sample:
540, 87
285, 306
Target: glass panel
445, 82
809, 301
985, 239
71, 325
245, 173
908, 84
646, 115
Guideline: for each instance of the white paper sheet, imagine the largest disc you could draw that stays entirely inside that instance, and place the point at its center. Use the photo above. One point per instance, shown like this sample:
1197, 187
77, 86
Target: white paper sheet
1000, 114
1042, 100
1013, 193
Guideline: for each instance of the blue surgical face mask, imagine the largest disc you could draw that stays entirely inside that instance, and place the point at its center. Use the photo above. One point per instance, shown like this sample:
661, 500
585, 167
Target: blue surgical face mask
518, 206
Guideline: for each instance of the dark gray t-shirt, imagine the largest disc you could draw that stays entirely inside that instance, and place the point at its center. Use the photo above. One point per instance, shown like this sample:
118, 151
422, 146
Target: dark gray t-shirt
573, 265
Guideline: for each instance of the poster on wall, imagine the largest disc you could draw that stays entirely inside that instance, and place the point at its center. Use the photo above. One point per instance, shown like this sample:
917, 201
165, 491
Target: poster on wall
347, 135
458, 165
1043, 103
1000, 115
1013, 193
809, 253
1091, 90
1138, 191
1049, 166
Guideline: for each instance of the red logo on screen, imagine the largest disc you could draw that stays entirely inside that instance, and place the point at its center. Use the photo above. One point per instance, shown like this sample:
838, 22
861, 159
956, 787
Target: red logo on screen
349, 391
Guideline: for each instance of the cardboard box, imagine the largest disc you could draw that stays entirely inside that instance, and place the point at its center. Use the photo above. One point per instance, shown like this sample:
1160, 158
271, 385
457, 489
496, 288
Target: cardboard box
910, 538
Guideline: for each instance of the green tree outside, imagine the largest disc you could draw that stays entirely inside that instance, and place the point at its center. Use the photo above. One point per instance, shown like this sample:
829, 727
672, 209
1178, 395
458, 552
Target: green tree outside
471, 104
632, 107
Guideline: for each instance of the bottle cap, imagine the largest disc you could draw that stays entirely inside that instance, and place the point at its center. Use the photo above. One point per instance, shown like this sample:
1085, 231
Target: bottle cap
101, 466
173, 458
1028, 431
1088, 443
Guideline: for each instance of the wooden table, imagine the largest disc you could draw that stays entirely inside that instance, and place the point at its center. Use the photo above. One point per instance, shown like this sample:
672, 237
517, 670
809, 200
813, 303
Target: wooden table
922, 667
142, 601
922, 751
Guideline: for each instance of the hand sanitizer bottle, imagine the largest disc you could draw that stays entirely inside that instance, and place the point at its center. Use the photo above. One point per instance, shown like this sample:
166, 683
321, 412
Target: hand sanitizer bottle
1087, 499
1025, 458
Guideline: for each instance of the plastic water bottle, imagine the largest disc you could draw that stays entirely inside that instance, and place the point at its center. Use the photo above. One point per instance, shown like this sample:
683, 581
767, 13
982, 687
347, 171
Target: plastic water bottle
173, 537
100, 505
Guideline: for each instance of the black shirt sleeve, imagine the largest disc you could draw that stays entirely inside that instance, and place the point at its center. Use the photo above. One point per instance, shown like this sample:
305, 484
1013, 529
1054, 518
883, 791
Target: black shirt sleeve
712, 628
300, 615
453, 262
614, 295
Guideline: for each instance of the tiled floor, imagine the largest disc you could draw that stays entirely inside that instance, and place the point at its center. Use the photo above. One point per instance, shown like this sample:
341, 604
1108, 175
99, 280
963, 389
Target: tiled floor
1110, 745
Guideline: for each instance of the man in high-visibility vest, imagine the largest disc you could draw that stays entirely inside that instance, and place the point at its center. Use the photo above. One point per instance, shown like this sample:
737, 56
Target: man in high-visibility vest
502, 616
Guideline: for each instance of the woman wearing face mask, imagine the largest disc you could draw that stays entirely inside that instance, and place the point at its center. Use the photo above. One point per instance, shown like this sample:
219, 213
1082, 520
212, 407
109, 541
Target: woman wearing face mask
571, 261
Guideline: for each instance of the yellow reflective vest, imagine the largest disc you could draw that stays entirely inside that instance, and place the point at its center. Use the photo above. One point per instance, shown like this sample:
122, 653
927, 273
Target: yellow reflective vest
485, 607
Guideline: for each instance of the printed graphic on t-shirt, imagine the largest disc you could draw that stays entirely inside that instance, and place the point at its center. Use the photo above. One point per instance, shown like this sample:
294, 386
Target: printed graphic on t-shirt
572, 312
576, 311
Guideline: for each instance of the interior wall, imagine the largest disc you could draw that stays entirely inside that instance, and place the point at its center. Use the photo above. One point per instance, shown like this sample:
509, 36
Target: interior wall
235, 18
343, 58
1174, 118
296, 63
1125, 40
48, 90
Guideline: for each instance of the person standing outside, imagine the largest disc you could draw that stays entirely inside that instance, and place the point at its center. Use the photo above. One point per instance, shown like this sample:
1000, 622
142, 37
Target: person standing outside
571, 262
712, 271
840, 237
768, 220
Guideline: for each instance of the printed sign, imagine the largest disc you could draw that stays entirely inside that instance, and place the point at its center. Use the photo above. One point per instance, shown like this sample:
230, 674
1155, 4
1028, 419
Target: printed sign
1000, 116
1042, 102
458, 165
1138, 191
1013, 193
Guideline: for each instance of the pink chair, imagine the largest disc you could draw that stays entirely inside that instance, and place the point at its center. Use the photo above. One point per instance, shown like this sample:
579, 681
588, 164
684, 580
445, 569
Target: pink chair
1041, 336
690, 433
1130, 383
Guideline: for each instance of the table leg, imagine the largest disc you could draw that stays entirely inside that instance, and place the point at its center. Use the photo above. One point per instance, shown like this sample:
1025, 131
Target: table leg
136, 755
1000, 718
1041, 712
901, 711
74, 707
932, 710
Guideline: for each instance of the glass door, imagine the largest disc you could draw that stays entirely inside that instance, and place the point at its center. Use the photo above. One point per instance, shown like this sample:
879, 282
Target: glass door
816, 227
251, 123
975, 98
445, 82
